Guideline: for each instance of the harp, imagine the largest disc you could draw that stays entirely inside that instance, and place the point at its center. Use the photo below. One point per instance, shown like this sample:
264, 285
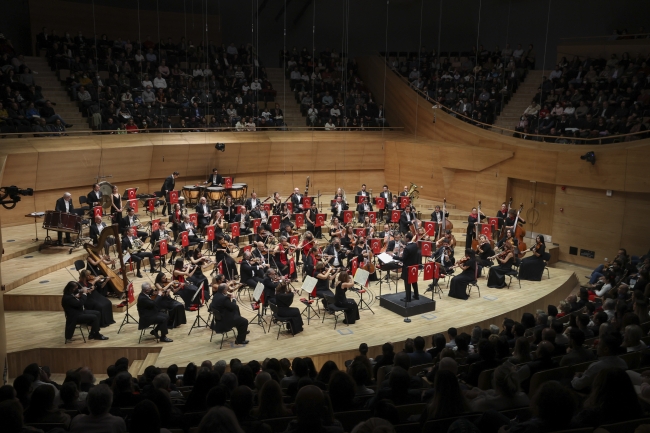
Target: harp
117, 283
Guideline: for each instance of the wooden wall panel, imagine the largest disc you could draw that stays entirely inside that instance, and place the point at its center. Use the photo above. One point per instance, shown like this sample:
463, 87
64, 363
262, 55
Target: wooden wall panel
125, 163
636, 175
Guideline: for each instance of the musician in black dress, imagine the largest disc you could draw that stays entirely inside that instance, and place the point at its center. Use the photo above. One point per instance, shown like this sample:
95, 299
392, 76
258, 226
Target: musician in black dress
168, 185
349, 305
472, 219
485, 251
325, 277
187, 290
406, 219
149, 312
116, 205
310, 219
502, 214
175, 309
410, 256
229, 210
198, 278
203, 212
215, 179
458, 284
64, 204
271, 282
96, 297
93, 265
283, 299
532, 267
73, 301
509, 238
363, 208
497, 275
510, 220
336, 228
285, 215
222, 249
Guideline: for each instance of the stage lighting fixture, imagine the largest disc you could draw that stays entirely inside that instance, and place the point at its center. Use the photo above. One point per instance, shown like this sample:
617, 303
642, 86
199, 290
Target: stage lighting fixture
220, 147
10, 195
589, 157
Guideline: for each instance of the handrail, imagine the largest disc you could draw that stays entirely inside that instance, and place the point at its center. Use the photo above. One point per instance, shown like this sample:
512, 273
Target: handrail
487, 125
612, 37
228, 129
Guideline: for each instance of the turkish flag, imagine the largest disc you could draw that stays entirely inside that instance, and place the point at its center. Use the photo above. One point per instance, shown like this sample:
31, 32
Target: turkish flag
494, 222
173, 197
256, 224
360, 232
209, 233
293, 240
306, 202
404, 201
486, 229
267, 207
133, 204
238, 208
185, 239
436, 270
426, 248
221, 267
151, 204
375, 246
428, 271
430, 228
300, 220
275, 222
372, 216
130, 294
290, 206
320, 219
194, 218
234, 230
354, 264
130, 193
413, 274
380, 202
155, 225
292, 267
227, 182
394, 216
98, 211
247, 248
163, 247
348, 215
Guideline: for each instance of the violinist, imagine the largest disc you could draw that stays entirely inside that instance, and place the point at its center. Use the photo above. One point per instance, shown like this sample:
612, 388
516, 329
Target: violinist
510, 219
365, 258
277, 203
485, 251
338, 207
348, 305
96, 296
310, 219
286, 231
364, 207
261, 254
73, 302
187, 290
188, 226
222, 250
423, 236
325, 278
149, 312
445, 256
472, 220
285, 215
164, 289
228, 210
198, 278
223, 302
349, 239
284, 299
252, 272
458, 284
283, 255
369, 227
271, 282
312, 258
497, 275
509, 238
335, 253
264, 234
160, 235
437, 215
243, 221
386, 235
532, 267
336, 228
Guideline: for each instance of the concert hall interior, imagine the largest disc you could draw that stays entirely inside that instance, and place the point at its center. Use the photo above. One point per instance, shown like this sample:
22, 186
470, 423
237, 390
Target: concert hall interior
350, 207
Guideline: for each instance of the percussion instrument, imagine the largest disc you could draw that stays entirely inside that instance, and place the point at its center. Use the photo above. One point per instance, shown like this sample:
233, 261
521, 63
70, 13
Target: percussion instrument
216, 193
62, 222
237, 192
191, 193
245, 185
106, 188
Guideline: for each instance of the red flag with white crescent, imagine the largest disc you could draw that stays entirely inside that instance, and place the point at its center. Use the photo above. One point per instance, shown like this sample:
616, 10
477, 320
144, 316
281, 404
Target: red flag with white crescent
428, 271
354, 264
413, 274
130, 293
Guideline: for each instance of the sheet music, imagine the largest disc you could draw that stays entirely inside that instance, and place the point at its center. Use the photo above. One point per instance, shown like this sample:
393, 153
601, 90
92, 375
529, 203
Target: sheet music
385, 258
197, 292
309, 284
126, 257
361, 277
257, 293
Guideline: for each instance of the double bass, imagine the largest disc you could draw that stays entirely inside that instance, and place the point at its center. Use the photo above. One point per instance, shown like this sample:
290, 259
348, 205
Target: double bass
476, 226
519, 232
118, 284
502, 232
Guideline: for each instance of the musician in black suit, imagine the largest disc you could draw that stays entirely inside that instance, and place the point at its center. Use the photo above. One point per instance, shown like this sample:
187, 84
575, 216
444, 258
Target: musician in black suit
149, 312
129, 242
64, 204
363, 191
168, 185
130, 220
406, 219
437, 215
338, 207
203, 213
405, 192
296, 199
243, 221
250, 271
364, 208
96, 229
188, 226
157, 235
385, 193
74, 298
215, 179
94, 197
252, 202
391, 206
409, 257
223, 302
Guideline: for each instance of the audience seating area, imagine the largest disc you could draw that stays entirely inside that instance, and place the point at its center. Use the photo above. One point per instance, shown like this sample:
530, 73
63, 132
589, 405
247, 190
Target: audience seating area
574, 368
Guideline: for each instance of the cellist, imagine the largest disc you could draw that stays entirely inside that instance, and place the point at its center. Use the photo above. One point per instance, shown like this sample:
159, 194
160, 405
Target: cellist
510, 219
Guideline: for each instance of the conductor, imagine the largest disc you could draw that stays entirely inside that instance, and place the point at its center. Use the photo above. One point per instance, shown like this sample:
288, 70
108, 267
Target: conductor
226, 307
409, 258
149, 311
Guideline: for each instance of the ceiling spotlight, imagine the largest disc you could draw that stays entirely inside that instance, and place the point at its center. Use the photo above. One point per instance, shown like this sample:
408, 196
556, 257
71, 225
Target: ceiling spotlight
220, 147
589, 157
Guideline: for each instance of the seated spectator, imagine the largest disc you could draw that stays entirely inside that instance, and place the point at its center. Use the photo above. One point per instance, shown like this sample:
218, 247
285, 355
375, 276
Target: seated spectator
419, 356
632, 339
543, 361
47, 113
124, 394
448, 399
487, 361
314, 413
270, 402
505, 393
608, 349
521, 353
41, 408
99, 421
220, 419
553, 407
577, 353
146, 418
342, 392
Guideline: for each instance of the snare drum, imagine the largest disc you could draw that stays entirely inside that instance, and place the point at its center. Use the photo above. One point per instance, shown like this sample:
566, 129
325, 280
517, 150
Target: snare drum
215, 193
191, 193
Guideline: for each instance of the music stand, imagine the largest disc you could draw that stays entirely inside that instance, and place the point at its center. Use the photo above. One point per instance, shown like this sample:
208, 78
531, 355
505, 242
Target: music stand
361, 278
385, 259
258, 296
309, 286
163, 258
199, 319
128, 316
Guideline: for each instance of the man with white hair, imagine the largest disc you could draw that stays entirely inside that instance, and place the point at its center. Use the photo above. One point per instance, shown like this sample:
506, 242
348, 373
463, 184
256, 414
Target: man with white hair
149, 311
64, 204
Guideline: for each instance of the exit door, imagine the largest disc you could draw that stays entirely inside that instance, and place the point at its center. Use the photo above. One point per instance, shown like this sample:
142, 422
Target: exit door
538, 200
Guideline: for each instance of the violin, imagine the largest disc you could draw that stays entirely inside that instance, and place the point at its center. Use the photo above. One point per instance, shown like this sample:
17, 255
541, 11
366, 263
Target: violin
461, 262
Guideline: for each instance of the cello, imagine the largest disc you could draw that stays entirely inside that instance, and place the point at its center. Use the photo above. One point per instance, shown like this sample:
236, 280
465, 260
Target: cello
118, 284
519, 232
